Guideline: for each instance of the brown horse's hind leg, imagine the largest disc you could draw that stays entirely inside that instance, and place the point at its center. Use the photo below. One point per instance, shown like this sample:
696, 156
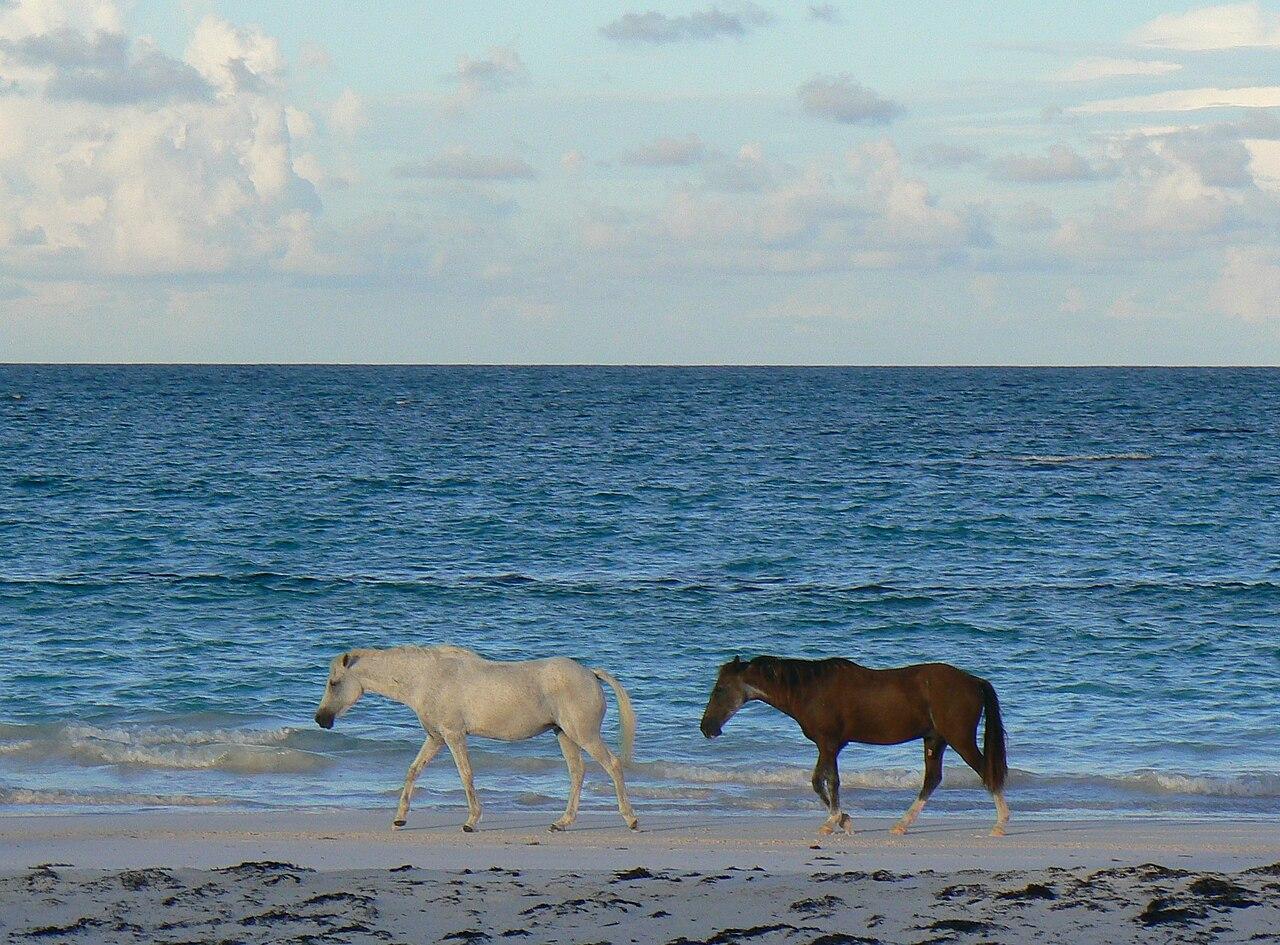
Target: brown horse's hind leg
967, 748
826, 778
933, 749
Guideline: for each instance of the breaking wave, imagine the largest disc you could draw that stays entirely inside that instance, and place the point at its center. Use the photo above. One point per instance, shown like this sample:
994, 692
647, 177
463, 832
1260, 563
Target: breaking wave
1256, 784
236, 751
24, 797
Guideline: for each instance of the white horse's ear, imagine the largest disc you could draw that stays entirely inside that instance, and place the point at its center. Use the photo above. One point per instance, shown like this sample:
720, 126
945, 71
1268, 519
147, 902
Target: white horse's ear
346, 660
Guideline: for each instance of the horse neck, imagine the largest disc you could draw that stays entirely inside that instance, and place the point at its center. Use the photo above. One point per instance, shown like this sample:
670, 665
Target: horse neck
385, 672
772, 693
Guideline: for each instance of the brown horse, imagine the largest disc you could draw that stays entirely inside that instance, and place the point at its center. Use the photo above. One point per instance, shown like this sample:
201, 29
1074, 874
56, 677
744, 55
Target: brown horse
836, 702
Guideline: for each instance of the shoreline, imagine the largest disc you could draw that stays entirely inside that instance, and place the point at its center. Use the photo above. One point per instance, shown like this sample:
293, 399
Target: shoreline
165, 878
338, 838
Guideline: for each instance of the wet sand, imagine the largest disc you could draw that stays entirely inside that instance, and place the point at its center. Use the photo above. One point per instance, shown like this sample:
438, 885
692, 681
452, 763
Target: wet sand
344, 876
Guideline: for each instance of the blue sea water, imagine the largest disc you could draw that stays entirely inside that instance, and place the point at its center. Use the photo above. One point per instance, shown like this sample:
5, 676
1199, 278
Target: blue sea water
182, 549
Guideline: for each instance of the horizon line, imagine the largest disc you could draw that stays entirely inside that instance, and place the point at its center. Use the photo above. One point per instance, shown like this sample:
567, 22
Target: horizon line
691, 365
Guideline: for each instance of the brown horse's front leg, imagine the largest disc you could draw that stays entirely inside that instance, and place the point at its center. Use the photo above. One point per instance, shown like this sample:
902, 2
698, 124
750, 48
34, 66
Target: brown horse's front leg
827, 774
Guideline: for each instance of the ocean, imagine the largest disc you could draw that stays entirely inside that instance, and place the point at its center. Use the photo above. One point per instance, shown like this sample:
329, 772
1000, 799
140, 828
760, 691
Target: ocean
183, 549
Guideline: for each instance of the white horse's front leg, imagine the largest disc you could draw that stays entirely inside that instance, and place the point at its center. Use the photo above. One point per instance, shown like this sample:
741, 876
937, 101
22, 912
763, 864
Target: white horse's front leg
573, 759
428, 751
458, 748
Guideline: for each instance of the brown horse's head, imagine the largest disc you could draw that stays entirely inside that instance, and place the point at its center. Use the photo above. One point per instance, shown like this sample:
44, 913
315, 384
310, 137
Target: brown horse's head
728, 695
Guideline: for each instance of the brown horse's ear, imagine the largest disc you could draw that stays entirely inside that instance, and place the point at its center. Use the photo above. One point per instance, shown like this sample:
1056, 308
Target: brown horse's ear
737, 661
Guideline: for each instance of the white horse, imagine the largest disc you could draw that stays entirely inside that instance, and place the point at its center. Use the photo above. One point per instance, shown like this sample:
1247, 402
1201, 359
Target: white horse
456, 692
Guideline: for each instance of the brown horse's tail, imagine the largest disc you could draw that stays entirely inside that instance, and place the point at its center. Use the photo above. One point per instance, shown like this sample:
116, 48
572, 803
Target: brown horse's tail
996, 768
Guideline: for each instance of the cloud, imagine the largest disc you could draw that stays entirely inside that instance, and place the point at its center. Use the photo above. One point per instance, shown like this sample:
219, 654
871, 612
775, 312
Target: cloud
1097, 68
315, 56
660, 28
1230, 26
668, 152
865, 213
943, 154
1030, 217
1249, 286
102, 68
463, 164
826, 12
348, 115
841, 99
1059, 164
497, 70
746, 172
117, 159
1174, 197
236, 59
1185, 100
1219, 161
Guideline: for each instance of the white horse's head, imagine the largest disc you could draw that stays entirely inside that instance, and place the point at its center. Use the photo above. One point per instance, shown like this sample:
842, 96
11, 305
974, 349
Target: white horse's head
342, 691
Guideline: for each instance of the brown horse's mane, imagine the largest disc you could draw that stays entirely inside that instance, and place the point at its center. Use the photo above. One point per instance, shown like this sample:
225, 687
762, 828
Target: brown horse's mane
791, 674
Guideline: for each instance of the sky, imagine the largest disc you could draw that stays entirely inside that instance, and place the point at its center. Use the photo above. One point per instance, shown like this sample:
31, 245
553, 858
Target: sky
690, 182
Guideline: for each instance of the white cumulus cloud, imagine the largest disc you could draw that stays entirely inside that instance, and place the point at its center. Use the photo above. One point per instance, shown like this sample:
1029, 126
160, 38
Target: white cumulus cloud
1228, 26
119, 159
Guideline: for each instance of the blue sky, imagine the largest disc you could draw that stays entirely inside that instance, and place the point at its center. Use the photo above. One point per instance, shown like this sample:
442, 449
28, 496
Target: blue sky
685, 182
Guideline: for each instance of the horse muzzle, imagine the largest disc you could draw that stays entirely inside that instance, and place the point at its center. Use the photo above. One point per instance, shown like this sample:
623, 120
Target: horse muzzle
711, 731
324, 719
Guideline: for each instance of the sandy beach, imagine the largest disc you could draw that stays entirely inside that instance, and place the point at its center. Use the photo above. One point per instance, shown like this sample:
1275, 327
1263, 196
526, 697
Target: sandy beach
342, 876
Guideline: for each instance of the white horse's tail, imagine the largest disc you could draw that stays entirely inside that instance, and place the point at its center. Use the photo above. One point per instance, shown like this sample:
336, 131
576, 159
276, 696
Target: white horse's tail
626, 715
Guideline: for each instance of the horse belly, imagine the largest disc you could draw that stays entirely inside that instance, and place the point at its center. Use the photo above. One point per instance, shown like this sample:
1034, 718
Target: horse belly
511, 726
509, 716
877, 727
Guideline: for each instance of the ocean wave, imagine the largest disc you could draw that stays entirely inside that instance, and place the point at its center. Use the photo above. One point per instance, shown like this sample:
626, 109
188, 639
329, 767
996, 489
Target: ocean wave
1256, 784
1250, 784
1057, 459
595, 585
32, 797
236, 751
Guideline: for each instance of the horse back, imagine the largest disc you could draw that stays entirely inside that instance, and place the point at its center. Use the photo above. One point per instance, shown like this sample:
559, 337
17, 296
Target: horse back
889, 706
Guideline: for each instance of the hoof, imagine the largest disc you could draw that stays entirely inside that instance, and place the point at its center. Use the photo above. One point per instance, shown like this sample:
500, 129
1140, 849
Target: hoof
897, 830
633, 823
467, 828
846, 823
397, 823
997, 831
556, 828
825, 830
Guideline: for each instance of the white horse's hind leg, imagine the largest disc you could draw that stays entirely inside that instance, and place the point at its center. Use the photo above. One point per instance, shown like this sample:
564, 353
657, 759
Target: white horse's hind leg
428, 751
572, 758
458, 748
598, 750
